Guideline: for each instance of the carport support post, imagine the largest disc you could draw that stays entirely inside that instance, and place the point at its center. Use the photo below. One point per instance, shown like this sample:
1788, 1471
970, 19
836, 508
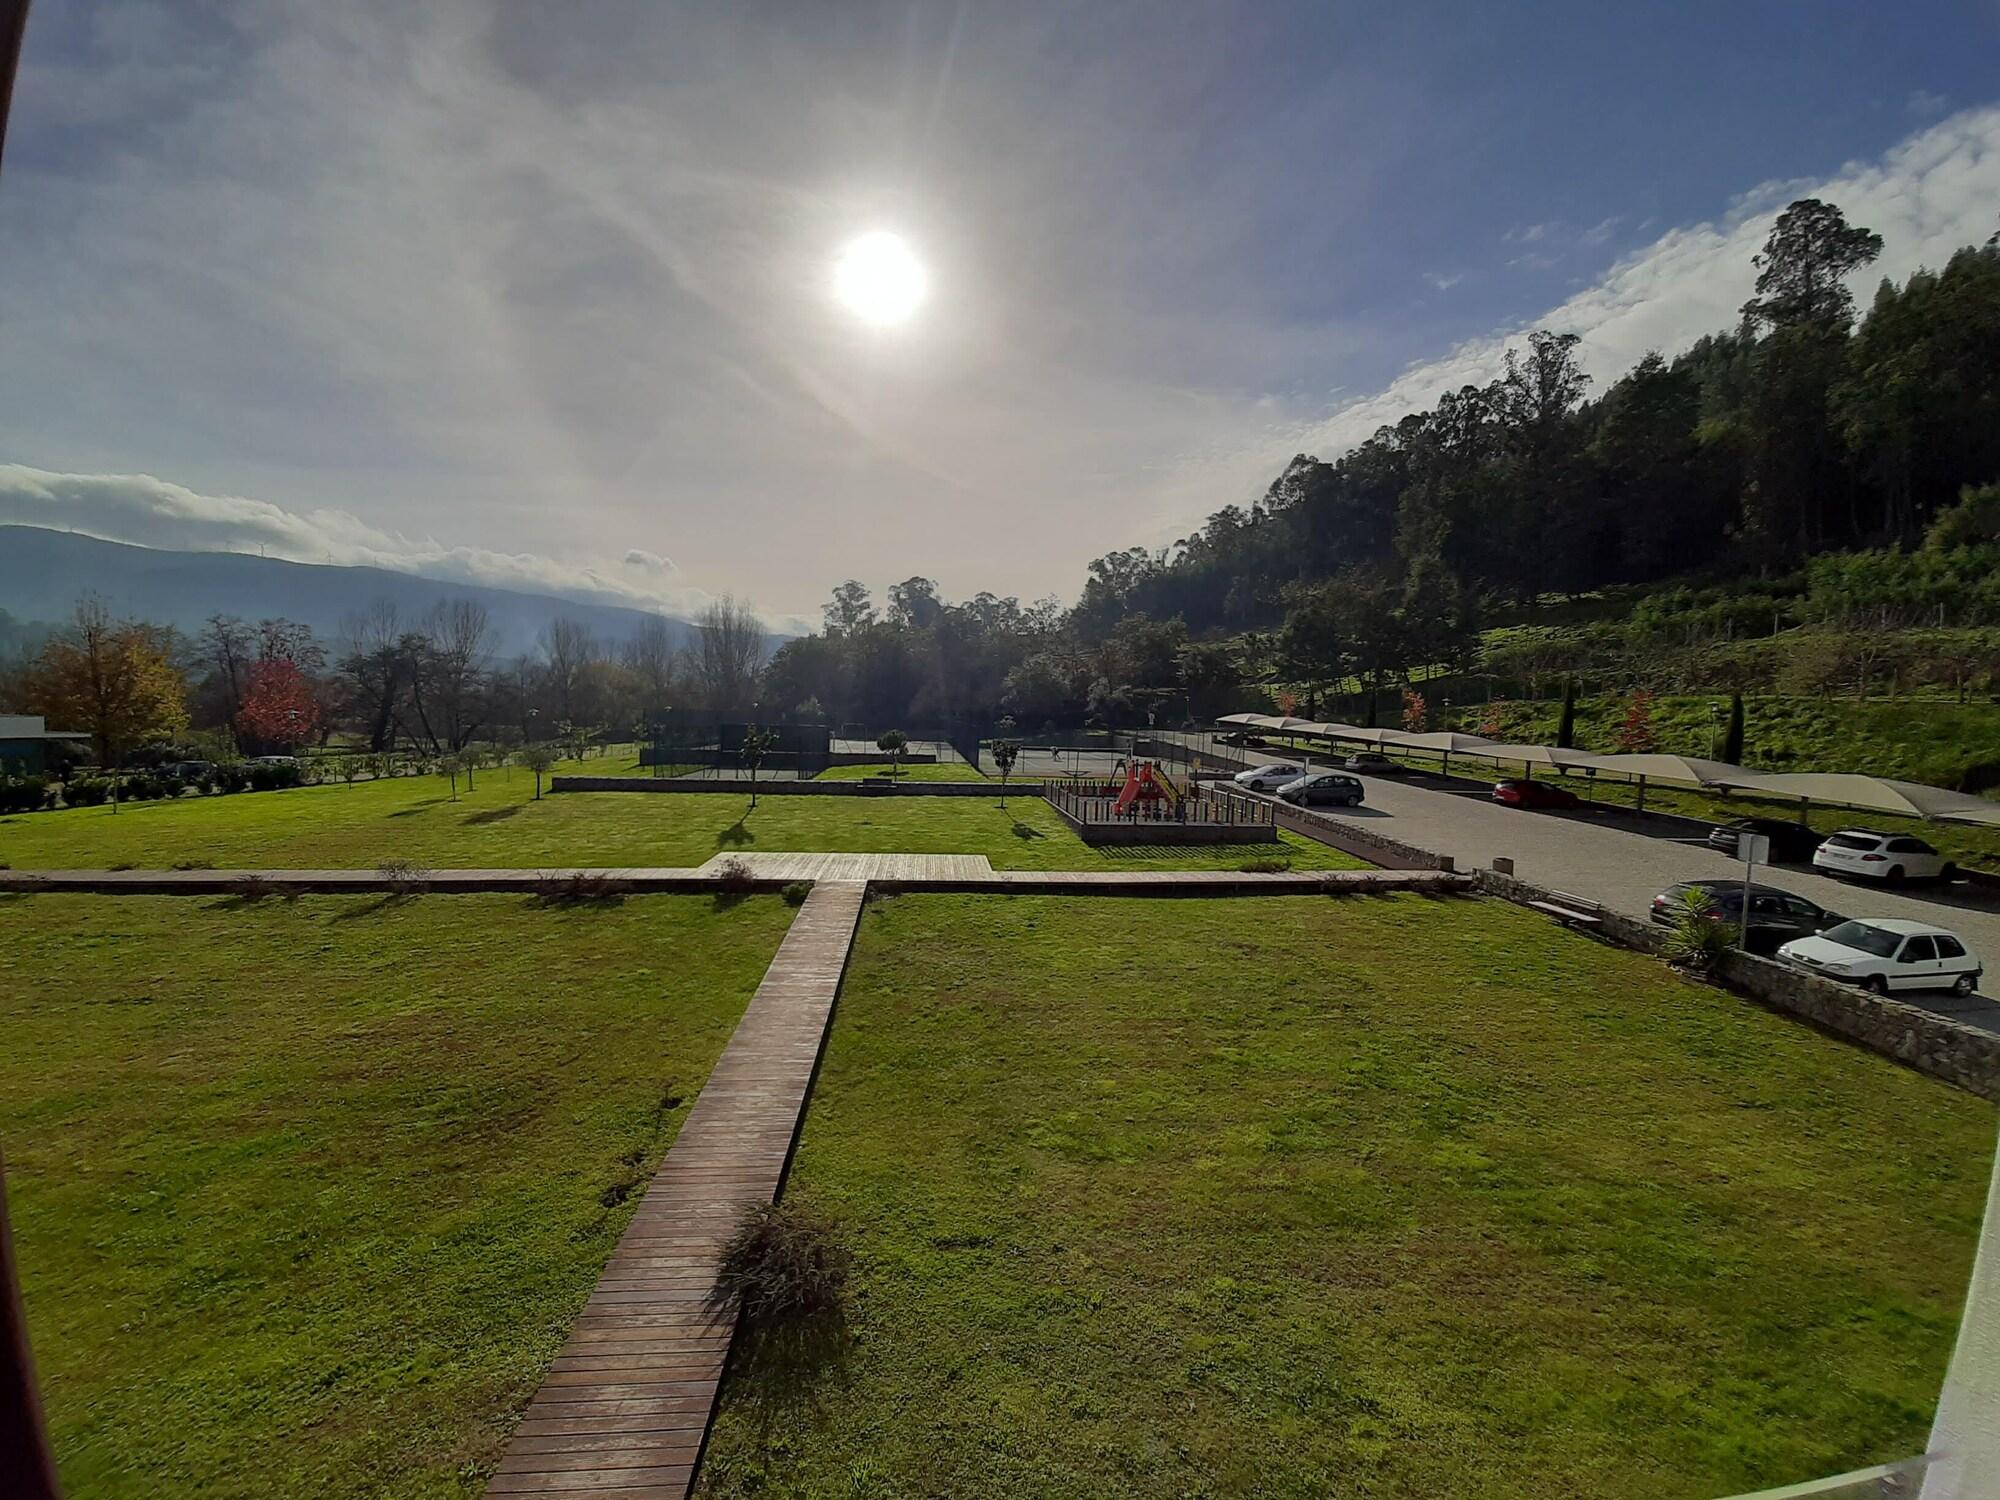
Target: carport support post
1642, 797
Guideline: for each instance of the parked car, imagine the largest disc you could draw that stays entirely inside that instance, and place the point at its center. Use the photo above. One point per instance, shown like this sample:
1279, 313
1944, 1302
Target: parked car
1374, 762
1776, 916
1892, 858
1326, 789
1526, 793
188, 770
1267, 778
1789, 840
273, 760
1882, 954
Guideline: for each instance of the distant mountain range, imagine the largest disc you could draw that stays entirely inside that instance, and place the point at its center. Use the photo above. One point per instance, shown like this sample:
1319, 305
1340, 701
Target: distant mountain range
43, 572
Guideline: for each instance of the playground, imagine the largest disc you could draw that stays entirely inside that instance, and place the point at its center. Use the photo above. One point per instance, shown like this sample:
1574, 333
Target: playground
1143, 803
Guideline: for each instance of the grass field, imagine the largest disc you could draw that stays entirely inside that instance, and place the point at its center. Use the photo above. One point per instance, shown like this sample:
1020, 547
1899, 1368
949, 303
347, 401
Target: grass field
499, 824
1389, 1197
950, 770
306, 1194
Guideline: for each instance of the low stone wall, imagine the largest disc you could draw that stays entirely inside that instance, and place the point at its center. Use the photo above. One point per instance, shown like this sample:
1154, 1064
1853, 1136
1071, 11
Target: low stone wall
1362, 843
740, 786
1349, 838
1963, 1055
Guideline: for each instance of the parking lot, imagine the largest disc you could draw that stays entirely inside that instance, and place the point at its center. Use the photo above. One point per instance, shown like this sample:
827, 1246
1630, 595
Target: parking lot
1621, 861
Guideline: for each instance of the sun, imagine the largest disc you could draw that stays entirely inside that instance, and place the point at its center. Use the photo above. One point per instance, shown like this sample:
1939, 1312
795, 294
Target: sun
879, 279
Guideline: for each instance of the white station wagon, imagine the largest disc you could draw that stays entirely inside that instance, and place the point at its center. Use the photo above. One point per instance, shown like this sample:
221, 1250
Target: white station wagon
1268, 778
1883, 953
1892, 858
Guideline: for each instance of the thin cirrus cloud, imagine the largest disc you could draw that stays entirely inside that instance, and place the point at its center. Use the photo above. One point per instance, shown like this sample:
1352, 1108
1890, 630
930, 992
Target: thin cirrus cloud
1928, 197
499, 292
150, 512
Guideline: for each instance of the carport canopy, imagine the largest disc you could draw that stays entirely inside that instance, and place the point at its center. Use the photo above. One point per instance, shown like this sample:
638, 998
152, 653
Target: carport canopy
1444, 741
1533, 755
1908, 799
1688, 770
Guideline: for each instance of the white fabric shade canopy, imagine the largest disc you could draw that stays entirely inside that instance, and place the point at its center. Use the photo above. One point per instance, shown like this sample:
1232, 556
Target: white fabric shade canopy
1909, 799
1533, 755
1689, 770
1444, 741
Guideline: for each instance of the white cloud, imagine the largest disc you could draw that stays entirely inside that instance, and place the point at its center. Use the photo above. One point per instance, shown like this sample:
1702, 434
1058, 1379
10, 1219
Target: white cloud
1923, 103
1928, 197
1442, 281
150, 512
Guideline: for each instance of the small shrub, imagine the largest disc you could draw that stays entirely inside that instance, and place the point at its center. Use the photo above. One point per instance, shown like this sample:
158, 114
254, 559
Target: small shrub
797, 891
192, 864
1698, 939
26, 794
783, 1264
578, 889
233, 776
265, 777
734, 875
1265, 865
405, 877
87, 791
254, 888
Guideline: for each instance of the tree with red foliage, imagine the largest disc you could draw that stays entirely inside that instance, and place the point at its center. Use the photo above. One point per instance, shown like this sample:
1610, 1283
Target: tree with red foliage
278, 705
1635, 734
1416, 712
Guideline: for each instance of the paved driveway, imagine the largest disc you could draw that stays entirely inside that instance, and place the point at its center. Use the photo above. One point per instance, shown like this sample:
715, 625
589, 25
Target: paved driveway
1588, 854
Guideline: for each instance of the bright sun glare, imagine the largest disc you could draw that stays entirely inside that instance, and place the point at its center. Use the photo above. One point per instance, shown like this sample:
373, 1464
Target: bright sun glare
878, 278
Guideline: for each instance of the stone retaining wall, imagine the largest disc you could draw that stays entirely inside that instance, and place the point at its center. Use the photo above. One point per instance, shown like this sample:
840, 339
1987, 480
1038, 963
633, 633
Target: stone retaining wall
1963, 1055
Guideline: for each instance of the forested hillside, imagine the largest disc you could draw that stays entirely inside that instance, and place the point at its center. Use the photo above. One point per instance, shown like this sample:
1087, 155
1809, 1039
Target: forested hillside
1804, 503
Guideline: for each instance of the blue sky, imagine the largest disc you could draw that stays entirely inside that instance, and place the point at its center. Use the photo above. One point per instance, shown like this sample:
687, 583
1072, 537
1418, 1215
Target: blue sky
539, 295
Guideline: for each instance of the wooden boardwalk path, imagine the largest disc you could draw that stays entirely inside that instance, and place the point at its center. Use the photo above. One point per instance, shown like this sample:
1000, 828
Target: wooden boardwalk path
920, 868
888, 872
625, 1407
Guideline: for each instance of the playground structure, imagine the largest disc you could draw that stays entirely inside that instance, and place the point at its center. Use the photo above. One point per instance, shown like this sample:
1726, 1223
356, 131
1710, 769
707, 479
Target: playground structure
1145, 805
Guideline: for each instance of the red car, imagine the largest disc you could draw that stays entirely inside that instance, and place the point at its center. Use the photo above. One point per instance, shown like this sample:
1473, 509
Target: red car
1532, 794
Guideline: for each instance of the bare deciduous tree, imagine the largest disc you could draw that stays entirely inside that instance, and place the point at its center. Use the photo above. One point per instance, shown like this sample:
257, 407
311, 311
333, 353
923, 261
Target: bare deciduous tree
728, 654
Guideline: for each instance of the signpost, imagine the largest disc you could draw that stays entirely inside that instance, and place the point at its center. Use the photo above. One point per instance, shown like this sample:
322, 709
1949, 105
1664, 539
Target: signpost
1752, 849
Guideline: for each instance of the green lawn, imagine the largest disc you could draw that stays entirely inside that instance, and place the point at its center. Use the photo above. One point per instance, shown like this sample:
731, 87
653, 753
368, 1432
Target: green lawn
1395, 1197
306, 1194
950, 770
499, 824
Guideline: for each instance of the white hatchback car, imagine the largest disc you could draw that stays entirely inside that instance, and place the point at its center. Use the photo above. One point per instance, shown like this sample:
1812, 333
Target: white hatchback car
1882, 954
1268, 778
1864, 854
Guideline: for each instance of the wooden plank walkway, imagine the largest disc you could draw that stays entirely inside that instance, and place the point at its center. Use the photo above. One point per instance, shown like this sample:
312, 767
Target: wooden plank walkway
888, 872
625, 1408
903, 867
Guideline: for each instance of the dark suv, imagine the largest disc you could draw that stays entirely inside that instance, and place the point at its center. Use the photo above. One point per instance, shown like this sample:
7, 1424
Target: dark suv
1789, 841
1776, 916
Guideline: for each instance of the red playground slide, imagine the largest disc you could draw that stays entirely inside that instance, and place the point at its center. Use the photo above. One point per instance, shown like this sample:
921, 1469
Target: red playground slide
1144, 784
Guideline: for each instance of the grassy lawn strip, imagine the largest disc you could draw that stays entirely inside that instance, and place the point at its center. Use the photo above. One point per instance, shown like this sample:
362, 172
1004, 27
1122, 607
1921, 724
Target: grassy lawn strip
1390, 1196
499, 824
307, 1193
951, 770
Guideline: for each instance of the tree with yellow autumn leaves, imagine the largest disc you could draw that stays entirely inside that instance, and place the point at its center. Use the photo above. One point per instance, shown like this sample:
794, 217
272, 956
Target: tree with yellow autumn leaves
113, 679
